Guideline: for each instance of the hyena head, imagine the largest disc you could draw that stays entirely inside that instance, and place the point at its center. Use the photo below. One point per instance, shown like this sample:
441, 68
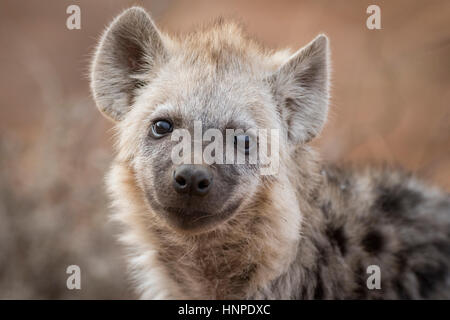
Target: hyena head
152, 85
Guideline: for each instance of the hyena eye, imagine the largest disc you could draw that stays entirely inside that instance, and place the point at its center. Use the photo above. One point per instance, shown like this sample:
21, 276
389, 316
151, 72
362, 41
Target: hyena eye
244, 143
161, 127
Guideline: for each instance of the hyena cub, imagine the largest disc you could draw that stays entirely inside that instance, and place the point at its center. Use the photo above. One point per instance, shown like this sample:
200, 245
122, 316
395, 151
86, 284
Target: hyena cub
224, 231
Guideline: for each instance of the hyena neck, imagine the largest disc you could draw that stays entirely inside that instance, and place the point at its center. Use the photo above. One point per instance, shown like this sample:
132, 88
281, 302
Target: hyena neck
256, 246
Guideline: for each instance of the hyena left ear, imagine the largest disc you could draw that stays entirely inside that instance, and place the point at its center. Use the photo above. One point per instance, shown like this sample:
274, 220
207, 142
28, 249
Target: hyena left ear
128, 53
300, 87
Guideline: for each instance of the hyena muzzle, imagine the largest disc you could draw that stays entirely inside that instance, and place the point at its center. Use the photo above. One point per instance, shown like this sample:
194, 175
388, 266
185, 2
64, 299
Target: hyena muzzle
211, 230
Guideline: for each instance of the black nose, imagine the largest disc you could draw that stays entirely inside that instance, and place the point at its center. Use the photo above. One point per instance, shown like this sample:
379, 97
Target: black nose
194, 179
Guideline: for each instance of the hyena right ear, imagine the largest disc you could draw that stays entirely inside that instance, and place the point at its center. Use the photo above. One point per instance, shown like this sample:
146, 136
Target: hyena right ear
127, 55
300, 88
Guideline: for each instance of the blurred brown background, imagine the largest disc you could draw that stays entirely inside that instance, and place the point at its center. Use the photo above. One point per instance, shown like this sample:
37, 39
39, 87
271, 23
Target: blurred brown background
390, 103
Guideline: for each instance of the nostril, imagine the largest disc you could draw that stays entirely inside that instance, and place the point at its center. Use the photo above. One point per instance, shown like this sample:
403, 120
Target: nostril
180, 180
203, 184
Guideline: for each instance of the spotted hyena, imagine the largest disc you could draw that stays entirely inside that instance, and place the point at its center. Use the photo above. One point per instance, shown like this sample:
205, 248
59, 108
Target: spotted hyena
207, 231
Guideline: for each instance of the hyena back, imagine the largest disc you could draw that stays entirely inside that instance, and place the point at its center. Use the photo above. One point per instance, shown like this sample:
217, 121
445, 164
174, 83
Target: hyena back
224, 231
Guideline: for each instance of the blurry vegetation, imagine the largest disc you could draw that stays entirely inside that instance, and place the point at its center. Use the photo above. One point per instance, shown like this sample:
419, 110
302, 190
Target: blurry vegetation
53, 212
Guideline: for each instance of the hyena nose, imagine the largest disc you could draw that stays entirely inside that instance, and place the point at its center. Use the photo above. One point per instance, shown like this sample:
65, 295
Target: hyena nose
194, 179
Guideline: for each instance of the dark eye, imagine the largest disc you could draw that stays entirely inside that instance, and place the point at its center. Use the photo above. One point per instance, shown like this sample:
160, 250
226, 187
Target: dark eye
243, 141
161, 127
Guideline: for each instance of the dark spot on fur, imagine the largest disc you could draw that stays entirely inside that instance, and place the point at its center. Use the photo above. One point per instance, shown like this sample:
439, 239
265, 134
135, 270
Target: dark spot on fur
318, 291
402, 293
402, 262
397, 199
314, 194
442, 246
139, 83
338, 178
360, 291
373, 242
323, 256
337, 238
429, 277
246, 274
304, 292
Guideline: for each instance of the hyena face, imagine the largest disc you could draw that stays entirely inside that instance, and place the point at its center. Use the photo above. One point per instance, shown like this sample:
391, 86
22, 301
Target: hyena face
153, 85
195, 195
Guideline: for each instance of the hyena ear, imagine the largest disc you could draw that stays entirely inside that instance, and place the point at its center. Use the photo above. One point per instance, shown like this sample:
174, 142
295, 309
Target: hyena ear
128, 53
300, 87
